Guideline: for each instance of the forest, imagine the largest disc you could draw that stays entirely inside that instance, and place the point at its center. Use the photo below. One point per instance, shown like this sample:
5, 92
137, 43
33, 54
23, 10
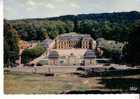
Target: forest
111, 26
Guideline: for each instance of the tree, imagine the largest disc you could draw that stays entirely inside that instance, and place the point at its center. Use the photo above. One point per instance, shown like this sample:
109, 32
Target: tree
40, 34
76, 25
125, 52
11, 49
133, 50
30, 54
112, 49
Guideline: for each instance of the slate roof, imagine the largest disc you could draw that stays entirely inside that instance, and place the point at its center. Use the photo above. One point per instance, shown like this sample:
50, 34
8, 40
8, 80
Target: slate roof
74, 37
89, 54
53, 54
46, 42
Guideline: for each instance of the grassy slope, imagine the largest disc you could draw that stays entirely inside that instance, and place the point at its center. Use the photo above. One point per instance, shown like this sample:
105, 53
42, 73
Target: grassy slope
35, 83
19, 83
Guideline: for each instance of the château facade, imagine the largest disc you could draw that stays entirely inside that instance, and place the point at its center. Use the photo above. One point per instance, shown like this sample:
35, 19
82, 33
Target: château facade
67, 41
72, 49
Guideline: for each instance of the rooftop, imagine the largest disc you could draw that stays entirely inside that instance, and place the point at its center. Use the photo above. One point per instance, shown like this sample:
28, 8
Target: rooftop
90, 54
73, 36
53, 54
47, 42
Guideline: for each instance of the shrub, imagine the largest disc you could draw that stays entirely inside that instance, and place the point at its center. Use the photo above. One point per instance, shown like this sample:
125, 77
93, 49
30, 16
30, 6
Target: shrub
30, 54
112, 49
38, 64
80, 69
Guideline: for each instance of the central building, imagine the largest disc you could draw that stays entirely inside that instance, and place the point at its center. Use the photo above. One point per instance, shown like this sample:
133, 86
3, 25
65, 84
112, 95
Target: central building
72, 49
73, 40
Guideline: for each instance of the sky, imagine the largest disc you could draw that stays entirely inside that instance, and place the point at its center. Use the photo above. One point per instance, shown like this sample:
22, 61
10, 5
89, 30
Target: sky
19, 9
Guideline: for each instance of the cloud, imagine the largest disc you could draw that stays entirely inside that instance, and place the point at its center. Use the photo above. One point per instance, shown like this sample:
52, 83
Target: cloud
138, 0
38, 8
31, 3
40, 4
74, 5
59, 0
49, 5
124, 5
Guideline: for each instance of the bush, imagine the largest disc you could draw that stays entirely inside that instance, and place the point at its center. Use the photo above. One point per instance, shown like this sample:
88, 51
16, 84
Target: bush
80, 69
38, 64
112, 68
30, 54
114, 72
49, 74
112, 49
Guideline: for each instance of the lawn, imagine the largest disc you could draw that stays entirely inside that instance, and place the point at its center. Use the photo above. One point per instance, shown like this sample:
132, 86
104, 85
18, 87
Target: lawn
21, 83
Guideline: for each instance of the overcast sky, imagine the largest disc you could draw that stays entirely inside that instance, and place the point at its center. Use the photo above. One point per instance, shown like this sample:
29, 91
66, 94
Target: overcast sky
17, 9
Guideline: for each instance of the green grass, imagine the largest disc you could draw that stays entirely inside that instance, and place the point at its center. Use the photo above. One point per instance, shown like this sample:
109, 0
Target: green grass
82, 88
20, 83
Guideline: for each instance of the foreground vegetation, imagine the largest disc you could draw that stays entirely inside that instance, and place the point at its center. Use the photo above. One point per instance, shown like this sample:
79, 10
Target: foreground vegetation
36, 83
11, 48
20, 83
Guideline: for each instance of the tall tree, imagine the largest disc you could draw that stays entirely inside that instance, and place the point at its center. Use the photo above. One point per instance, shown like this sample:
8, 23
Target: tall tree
11, 49
134, 44
76, 25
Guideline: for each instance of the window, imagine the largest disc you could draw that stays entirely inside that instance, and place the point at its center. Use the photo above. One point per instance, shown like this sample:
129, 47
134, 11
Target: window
61, 61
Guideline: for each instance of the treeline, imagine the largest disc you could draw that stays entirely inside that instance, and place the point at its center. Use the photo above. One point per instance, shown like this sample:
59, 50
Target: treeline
111, 26
106, 29
40, 29
112, 17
